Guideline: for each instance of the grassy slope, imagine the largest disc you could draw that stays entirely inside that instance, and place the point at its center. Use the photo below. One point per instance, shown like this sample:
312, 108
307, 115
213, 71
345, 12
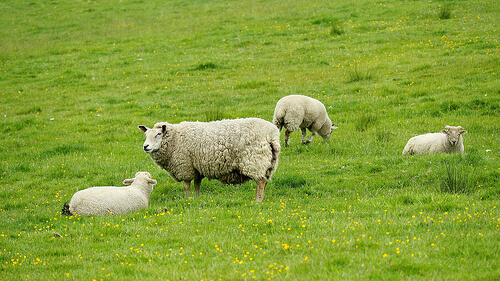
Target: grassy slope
78, 77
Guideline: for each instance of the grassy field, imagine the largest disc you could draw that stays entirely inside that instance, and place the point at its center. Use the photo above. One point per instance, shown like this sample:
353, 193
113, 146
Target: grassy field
77, 77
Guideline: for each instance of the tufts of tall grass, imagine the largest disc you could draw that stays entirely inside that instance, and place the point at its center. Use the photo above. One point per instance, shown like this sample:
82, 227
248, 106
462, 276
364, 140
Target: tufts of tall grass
457, 179
445, 12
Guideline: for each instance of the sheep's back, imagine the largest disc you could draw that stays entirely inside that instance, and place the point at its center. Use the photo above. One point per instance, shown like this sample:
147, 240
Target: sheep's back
106, 200
222, 149
299, 110
427, 143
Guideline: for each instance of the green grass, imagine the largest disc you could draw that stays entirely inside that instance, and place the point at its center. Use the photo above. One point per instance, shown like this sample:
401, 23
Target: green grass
77, 77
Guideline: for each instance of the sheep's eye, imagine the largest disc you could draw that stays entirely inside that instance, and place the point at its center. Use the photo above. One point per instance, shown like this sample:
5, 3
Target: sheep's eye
159, 134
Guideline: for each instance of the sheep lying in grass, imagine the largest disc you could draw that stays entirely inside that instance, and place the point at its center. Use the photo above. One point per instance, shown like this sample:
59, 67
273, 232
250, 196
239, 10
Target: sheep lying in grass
297, 111
112, 200
231, 151
448, 140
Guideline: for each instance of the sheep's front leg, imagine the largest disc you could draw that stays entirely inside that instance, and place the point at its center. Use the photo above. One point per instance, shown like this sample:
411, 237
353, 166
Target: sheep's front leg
187, 186
311, 138
287, 137
261, 188
197, 183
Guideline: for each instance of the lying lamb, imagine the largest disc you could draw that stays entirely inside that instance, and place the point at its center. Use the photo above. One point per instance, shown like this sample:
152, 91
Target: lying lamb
112, 200
448, 140
297, 111
231, 151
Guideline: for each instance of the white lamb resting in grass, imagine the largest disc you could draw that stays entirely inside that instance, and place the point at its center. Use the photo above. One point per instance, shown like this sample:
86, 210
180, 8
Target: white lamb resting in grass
298, 111
448, 140
231, 151
112, 200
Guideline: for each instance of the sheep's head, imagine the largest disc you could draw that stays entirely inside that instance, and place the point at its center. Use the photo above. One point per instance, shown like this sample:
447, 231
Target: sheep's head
154, 136
326, 130
453, 134
141, 175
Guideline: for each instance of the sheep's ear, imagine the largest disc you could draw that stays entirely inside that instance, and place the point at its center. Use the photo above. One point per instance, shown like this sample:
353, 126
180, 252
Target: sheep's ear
334, 128
463, 132
128, 181
444, 132
152, 181
143, 128
166, 129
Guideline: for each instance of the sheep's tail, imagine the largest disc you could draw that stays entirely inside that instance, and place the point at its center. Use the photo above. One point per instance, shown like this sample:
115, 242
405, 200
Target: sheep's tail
278, 119
278, 123
275, 152
409, 149
65, 210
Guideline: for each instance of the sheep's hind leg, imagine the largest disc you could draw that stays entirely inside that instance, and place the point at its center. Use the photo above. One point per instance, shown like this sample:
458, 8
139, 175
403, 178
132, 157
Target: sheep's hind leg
261, 188
197, 183
287, 137
187, 186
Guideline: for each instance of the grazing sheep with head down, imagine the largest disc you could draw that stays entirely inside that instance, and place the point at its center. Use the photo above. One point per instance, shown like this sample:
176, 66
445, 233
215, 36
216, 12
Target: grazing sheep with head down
112, 200
448, 140
298, 111
231, 151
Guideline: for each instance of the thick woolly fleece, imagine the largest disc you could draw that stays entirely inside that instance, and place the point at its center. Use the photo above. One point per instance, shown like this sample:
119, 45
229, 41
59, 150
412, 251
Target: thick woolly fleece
298, 111
112, 200
448, 140
231, 151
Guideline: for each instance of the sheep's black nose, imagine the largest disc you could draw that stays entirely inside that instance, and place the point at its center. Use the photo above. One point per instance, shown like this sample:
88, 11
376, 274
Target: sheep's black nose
146, 147
453, 142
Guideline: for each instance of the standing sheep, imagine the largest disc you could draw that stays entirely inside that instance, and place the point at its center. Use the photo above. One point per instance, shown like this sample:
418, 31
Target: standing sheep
448, 140
297, 111
231, 151
112, 200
